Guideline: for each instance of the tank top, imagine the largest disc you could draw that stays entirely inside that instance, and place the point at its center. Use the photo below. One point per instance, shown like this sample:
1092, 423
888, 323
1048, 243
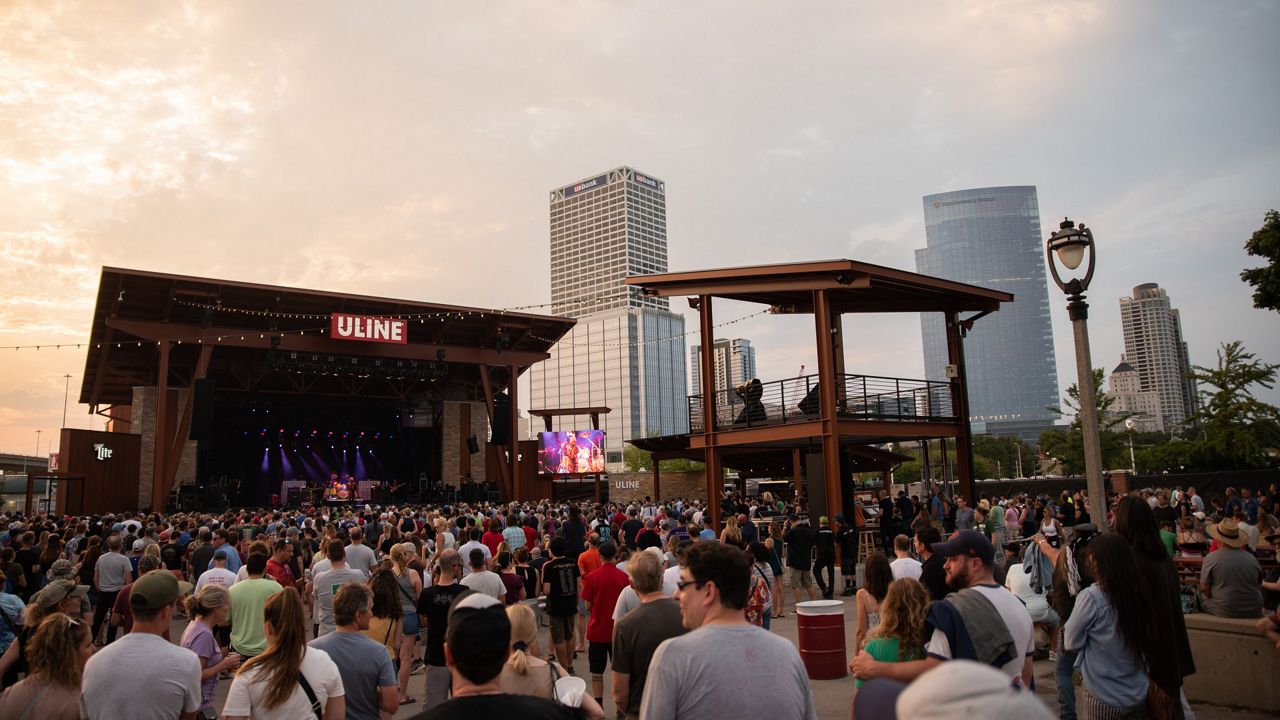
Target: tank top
408, 603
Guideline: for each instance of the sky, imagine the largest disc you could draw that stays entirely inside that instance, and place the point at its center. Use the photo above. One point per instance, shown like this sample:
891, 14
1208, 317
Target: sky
406, 149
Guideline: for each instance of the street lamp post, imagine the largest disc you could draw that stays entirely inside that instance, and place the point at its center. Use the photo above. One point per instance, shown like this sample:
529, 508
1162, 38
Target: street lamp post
1133, 464
66, 393
1070, 245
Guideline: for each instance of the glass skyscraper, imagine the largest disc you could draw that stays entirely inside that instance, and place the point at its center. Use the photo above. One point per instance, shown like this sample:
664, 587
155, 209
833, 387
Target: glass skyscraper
627, 351
990, 237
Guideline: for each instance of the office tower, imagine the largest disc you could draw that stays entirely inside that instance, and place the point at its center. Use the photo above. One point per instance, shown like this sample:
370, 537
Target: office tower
990, 237
734, 362
1153, 345
603, 229
627, 351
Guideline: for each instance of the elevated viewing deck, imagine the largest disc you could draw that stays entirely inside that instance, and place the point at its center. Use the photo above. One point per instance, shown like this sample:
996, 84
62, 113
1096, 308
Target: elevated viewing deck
917, 408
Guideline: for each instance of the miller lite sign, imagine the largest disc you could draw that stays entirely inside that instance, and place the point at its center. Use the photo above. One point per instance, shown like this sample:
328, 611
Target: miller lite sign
102, 451
368, 328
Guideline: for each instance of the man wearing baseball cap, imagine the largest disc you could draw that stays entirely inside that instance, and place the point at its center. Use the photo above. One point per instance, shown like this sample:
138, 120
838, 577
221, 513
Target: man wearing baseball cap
171, 672
980, 621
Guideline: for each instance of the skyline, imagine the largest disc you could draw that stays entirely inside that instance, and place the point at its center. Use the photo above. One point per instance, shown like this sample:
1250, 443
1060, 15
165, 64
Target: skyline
381, 153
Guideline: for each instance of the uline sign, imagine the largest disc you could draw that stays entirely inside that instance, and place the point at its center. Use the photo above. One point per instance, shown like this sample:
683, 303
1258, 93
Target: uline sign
367, 328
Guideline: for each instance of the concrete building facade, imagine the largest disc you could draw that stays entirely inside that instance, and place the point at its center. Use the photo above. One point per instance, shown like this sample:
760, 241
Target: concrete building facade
1154, 347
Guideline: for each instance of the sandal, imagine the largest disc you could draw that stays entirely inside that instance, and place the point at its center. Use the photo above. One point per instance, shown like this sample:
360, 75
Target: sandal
408, 701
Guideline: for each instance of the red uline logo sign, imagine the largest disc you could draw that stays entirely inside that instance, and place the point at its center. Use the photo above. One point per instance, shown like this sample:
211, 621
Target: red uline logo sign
366, 328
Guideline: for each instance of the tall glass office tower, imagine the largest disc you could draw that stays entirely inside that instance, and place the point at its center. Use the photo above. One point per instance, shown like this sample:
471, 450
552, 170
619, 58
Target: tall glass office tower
990, 237
627, 351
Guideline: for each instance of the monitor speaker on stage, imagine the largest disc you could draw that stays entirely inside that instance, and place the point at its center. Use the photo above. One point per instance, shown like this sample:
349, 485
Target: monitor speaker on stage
501, 422
473, 446
202, 409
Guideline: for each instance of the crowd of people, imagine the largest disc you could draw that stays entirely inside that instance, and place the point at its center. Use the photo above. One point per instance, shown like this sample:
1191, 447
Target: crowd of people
332, 613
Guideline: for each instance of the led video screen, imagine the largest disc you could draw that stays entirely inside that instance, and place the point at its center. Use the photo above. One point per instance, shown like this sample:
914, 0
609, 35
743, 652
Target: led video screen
572, 452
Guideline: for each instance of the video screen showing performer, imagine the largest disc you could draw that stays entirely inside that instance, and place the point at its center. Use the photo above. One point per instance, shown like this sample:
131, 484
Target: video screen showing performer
572, 452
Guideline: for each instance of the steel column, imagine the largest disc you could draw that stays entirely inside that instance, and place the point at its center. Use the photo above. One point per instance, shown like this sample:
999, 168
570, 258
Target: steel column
711, 453
827, 402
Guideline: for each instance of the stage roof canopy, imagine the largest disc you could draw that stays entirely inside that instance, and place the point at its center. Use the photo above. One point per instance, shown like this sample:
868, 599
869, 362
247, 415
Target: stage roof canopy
854, 287
282, 332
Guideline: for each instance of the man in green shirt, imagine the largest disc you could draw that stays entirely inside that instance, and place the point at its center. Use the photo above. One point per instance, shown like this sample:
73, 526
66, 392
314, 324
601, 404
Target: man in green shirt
1167, 537
248, 598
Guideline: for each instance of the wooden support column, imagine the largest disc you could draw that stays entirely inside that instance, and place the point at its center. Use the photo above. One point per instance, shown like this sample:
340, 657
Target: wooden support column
797, 471
711, 454
657, 482
504, 469
886, 478
960, 405
516, 488
184, 421
160, 458
827, 403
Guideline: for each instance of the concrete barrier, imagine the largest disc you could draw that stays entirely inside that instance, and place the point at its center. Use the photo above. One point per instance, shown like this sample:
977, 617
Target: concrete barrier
1235, 664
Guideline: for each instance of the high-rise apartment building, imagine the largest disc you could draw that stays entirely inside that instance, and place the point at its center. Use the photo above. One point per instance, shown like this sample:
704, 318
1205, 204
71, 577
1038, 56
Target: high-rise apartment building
1143, 408
1153, 345
734, 363
627, 351
990, 237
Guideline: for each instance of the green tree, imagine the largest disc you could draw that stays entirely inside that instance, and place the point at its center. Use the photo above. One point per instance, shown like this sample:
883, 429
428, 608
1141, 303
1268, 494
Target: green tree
1238, 430
1068, 445
1265, 243
637, 460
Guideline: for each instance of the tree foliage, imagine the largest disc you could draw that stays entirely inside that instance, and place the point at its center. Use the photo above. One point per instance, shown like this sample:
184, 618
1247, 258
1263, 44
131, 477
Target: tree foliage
1238, 430
637, 460
1265, 243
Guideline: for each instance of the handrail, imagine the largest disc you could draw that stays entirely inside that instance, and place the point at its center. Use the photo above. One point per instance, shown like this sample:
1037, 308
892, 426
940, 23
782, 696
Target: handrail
858, 397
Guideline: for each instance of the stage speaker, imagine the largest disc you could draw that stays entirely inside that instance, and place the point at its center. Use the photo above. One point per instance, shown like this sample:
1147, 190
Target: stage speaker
473, 446
202, 409
501, 424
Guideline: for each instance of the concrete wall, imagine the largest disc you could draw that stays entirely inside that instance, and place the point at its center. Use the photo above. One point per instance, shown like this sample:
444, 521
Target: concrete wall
1235, 664
144, 424
635, 486
455, 458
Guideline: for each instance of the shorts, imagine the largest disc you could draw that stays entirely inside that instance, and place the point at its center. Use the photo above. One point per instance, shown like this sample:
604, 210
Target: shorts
561, 629
1048, 618
797, 578
598, 656
438, 684
411, 627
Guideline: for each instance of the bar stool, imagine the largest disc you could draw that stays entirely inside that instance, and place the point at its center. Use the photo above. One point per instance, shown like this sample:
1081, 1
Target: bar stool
866, 544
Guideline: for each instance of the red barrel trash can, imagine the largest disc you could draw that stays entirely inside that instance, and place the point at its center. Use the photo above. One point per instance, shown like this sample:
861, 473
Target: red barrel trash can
821, 634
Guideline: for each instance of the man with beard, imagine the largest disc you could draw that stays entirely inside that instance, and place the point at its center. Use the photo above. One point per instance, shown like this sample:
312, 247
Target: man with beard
980, 621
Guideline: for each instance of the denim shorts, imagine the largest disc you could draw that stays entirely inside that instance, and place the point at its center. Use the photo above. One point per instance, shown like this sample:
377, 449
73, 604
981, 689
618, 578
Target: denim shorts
411, 627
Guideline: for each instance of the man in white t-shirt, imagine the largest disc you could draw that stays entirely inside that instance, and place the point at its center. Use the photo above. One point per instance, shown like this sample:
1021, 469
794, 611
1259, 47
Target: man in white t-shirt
218, 574
482, 580
474, 544
904, 566
970, 562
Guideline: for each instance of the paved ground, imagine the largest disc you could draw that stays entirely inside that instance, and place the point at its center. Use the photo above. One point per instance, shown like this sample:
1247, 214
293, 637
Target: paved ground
831, 696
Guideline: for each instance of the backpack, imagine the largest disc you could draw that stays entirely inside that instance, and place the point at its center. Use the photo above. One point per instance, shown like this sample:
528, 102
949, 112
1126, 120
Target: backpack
759, 597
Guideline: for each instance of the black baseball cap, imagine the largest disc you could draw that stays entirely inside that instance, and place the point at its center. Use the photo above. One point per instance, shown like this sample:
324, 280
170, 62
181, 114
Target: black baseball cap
969, 543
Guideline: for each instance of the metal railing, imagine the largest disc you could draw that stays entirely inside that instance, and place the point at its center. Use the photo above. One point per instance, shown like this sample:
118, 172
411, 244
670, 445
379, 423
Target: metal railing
858, 397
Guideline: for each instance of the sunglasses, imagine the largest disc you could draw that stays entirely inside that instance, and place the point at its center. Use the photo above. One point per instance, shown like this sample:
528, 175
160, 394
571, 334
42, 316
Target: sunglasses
686, 583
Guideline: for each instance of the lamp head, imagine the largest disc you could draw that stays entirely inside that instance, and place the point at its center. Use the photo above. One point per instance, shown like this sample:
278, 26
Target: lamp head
1070, 245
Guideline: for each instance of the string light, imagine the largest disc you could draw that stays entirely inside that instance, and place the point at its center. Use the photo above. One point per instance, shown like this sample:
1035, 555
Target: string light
443, 317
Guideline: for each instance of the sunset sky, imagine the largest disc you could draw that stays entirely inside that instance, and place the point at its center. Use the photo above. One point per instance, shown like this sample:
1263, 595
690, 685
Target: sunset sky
406, 149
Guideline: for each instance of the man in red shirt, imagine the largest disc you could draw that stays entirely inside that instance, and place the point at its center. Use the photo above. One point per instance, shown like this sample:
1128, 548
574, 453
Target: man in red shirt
492, 536
589, 561
278, 565
530, 533
600, 591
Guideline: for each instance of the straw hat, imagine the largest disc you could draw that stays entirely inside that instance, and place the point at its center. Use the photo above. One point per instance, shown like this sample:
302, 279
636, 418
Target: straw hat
1228, 533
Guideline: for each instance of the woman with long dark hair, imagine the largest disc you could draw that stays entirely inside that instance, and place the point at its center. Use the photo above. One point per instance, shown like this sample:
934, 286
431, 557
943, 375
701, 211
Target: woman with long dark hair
387, 623
878, 576
1113, 631
1170, 657
272, 685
